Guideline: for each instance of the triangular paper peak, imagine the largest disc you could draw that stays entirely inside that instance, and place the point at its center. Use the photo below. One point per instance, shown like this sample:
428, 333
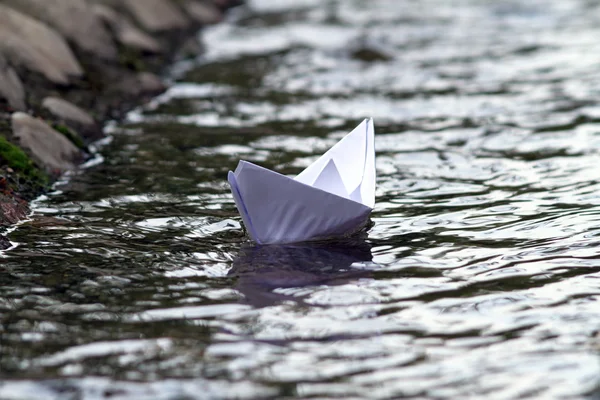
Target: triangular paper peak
330, 180
354, 158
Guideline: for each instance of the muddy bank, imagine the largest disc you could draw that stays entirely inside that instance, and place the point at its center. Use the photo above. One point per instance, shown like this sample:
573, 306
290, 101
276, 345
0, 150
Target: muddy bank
67, 66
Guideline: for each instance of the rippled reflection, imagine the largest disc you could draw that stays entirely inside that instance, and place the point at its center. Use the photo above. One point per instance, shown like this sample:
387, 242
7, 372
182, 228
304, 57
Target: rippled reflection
264, 272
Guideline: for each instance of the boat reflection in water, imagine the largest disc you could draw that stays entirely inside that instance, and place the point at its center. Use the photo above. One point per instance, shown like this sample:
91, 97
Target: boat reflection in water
262, 269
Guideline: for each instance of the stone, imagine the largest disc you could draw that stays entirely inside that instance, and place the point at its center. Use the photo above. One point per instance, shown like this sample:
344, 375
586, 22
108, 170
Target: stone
150, 83
53, 152
4, 242
157, 15
203, 12
125, 31
32, 44
75, 20
11, 211
67, 111
142, 83
11, 87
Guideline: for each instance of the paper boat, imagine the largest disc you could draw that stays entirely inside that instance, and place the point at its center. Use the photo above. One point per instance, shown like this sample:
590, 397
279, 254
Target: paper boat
333, 197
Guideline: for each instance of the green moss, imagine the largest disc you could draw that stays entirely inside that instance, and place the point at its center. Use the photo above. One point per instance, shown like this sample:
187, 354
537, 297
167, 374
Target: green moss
23, 166
71, 135
13, 156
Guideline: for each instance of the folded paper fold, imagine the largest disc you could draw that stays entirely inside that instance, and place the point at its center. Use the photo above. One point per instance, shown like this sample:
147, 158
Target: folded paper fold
333, 197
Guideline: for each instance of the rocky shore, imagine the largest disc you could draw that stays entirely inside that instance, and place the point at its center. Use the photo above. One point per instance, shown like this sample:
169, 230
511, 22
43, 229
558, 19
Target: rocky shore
67, 66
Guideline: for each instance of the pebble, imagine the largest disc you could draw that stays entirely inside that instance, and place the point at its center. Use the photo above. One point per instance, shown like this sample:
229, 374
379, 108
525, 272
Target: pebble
203, 12
142, 83
67, 111
150, 83
125, 30
11, 87
157, 15
53, 152
28, 42
75, 20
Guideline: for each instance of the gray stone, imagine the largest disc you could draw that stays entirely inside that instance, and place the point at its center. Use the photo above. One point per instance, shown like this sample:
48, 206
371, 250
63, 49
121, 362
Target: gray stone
150, 83
67, 111
142, 83
49, 149
74, 19
11, 87
203, 12
125, 31
30, 43
157, 15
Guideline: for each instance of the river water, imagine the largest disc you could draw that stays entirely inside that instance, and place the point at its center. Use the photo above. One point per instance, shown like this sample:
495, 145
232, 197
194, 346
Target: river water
480, 276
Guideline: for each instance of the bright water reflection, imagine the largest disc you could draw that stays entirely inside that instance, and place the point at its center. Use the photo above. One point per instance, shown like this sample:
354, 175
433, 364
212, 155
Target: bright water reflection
480, 277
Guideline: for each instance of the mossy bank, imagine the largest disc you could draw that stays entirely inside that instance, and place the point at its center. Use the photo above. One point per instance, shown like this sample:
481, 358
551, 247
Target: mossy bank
68, 66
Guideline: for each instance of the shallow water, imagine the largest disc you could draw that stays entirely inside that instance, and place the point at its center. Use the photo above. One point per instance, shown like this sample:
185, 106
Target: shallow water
480, 276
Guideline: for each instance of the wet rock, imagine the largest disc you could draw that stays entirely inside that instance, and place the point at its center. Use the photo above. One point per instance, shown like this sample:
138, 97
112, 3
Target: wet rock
49, 149
138, 85
74, 19
67, 111
157, 15
125, 31
203, 12
370, 54
12, 210
143, 83
79, 123
11, 87
34, 45
369, 49
4, 242
150, 83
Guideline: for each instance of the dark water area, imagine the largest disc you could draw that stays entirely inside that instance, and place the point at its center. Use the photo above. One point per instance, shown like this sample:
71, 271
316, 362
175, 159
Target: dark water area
481, 273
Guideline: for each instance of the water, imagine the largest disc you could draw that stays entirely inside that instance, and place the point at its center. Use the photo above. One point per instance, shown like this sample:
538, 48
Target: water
480, 277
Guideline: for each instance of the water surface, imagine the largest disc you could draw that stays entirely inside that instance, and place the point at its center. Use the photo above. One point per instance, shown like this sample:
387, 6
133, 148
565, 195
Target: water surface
480, 276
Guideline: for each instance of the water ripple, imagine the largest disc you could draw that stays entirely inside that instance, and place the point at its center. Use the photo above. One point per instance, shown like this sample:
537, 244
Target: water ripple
480, 276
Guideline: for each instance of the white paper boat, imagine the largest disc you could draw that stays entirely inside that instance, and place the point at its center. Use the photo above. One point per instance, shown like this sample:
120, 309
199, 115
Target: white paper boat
333, 197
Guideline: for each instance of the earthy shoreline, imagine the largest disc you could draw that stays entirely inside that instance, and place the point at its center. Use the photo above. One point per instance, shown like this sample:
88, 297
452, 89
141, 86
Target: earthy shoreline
68, 66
